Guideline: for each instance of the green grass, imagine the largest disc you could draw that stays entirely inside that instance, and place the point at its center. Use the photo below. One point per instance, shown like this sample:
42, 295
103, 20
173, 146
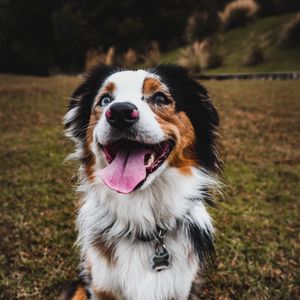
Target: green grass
234, 45
257, 238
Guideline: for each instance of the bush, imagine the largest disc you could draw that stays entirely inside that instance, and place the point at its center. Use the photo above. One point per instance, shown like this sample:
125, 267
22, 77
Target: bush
200, 56
256, 55
289, 35
153, 55
95, 57
238, 13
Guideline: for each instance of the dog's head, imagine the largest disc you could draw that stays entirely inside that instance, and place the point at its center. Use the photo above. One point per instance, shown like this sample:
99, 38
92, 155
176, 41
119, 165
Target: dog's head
130, 126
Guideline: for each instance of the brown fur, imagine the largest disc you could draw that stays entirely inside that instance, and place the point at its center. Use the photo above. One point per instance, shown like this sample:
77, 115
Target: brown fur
89, 158
151, 85
104, 295
178, 126
109, 88
80, 294
106, 249
175, 125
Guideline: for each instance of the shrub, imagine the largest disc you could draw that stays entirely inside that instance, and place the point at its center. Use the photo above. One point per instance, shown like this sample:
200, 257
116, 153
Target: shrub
130, 58
153, 55
94, 57
200, 56
256, 55
289, 35
238, 13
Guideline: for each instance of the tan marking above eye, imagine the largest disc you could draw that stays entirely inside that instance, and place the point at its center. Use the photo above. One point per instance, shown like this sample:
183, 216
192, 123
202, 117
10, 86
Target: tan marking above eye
109, 88
151, 85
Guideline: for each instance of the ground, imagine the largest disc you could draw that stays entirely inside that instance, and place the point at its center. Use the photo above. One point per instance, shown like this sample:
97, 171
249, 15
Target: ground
257, 219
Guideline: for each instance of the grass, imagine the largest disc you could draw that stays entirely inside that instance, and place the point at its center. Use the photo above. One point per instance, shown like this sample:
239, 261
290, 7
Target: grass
257, 238
234, 46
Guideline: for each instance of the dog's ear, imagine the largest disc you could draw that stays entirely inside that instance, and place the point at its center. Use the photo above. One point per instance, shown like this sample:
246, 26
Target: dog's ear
77, 118
193, 99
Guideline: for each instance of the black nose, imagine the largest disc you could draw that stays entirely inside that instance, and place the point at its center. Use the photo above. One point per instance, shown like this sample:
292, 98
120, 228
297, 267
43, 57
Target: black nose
122, 115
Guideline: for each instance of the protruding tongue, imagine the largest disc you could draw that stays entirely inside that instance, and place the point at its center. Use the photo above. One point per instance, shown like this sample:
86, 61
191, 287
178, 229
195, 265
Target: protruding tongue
126, 171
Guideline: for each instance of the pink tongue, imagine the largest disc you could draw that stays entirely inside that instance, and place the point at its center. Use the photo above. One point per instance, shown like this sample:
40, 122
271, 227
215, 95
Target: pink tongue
126, 171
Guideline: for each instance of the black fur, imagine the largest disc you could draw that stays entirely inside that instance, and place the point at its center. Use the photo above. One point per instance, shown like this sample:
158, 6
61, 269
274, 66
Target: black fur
202, 242
84, 96
192, 98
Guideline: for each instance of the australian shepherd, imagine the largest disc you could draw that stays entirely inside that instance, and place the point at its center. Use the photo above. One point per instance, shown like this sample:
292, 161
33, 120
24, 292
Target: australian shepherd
146, 142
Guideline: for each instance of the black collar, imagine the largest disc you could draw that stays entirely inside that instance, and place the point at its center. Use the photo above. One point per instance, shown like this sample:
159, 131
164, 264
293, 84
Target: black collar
158, 233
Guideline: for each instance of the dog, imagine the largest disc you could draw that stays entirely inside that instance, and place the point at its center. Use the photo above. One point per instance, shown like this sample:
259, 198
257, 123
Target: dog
147, 145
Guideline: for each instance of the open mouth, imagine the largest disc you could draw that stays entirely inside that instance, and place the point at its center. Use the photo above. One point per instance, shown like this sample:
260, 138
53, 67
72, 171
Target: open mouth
130, 163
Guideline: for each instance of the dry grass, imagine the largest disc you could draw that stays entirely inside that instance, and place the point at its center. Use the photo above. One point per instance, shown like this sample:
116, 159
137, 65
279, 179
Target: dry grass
200, 56
238, 13
95, 57
257, 237
153, 55
289, 35
130, 58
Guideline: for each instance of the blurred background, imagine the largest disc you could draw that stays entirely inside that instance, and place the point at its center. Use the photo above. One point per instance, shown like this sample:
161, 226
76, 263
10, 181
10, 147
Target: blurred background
54, 36
46, 46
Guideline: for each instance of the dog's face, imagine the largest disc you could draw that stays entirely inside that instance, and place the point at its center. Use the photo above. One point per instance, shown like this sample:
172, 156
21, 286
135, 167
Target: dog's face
131, 125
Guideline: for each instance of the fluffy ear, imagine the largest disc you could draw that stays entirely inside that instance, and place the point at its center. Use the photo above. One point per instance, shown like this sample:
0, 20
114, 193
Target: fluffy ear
192, 98
77, 118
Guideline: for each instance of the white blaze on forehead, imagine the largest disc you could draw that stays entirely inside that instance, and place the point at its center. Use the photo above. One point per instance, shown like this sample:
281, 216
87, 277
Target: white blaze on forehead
128, 85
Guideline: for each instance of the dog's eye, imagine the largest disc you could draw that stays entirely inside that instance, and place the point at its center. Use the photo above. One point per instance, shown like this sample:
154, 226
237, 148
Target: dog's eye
105, 100
160, 98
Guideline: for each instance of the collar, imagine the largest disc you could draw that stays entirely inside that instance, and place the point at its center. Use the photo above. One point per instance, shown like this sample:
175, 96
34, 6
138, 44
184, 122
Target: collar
156, 235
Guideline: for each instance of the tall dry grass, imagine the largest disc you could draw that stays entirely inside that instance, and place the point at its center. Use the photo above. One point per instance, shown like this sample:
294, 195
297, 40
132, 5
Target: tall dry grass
95, 57
200, 56
238, 13
130, 58
153, 55
289, 35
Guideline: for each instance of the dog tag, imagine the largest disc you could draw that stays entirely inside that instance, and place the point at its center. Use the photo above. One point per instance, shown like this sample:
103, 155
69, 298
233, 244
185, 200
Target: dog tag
161, 259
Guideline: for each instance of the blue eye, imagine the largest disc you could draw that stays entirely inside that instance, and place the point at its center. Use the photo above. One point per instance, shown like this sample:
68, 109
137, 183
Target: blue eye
105, 100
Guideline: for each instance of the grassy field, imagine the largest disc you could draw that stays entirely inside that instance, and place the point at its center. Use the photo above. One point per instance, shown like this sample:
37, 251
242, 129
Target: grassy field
236, 44
257, 238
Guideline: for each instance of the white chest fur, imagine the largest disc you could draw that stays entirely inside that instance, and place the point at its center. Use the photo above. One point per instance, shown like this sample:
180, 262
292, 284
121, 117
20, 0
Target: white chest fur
131, 276
162, 203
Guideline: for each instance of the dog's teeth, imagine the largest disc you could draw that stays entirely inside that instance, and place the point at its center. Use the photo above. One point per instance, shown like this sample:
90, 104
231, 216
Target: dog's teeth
150, 160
